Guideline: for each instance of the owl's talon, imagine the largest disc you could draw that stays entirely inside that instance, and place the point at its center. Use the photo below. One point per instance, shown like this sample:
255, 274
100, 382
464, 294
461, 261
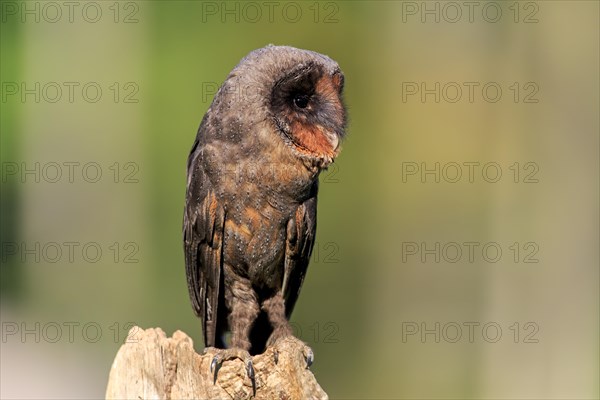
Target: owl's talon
250, 370
213, 363
223, 355
309, 356
306, 351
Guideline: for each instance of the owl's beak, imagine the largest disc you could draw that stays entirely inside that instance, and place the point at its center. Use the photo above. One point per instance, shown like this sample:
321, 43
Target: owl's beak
333, 139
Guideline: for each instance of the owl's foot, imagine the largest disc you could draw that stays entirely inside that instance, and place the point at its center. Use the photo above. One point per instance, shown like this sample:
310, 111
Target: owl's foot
222, 355
307, 353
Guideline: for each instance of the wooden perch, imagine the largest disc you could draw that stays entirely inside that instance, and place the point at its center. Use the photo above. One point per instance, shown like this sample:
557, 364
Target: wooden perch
152, 366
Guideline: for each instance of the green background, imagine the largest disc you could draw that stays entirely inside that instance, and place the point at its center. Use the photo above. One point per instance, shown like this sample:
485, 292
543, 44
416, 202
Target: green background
364, 291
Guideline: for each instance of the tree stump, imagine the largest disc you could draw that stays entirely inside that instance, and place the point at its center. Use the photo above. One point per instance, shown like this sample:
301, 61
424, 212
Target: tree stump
151, 366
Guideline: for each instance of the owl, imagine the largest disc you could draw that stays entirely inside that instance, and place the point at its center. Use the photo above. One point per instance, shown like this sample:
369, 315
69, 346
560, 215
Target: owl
250, 213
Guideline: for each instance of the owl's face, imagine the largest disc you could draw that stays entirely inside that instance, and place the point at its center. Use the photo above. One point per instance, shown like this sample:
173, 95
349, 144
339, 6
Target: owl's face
307, 108
296, 93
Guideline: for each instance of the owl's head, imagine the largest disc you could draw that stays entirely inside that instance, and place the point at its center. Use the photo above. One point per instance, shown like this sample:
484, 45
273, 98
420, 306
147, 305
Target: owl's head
300, 91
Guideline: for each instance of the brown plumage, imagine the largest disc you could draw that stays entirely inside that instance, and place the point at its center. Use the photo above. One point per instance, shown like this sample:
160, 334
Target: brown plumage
251, 201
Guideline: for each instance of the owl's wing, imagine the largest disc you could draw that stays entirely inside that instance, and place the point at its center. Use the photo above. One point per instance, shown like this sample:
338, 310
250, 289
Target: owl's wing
203, 223
301, 231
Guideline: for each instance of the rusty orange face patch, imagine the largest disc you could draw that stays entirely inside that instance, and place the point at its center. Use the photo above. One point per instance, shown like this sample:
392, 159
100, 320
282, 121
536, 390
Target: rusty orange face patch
311, 138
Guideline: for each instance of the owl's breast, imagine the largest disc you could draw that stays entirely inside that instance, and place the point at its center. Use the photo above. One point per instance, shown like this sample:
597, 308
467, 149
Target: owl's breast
254, 244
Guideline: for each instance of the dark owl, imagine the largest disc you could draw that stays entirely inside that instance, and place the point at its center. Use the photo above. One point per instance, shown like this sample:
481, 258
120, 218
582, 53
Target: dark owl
251, 202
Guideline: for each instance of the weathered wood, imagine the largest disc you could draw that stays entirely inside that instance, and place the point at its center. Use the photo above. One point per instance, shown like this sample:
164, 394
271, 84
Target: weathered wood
152, 366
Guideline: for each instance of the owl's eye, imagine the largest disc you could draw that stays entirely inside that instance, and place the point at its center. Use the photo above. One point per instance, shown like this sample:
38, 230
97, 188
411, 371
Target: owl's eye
301, 100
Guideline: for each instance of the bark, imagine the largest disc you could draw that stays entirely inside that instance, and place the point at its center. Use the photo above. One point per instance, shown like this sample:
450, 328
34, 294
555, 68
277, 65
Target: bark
151, 366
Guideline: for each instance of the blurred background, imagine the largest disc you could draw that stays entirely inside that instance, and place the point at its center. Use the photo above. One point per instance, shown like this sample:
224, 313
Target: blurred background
457, 246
